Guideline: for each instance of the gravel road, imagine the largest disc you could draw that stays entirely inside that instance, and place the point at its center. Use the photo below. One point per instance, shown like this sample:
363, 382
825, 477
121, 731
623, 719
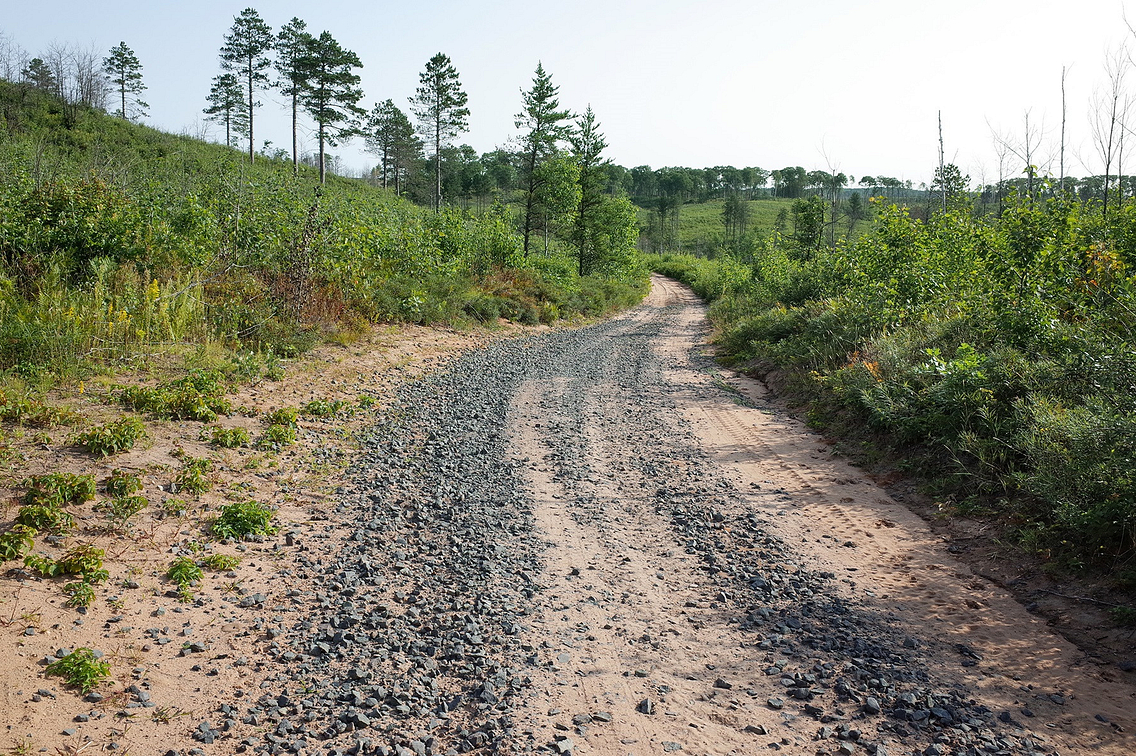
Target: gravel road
593, 541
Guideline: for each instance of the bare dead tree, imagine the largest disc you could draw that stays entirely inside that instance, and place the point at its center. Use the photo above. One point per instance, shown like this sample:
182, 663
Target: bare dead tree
13, 59
1062, 178
1106, 115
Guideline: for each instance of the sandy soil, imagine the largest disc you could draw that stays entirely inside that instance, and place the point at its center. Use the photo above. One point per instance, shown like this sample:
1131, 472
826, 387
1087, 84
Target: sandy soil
141, 627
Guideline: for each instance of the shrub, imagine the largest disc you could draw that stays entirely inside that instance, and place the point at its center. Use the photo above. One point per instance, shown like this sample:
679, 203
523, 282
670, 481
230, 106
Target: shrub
81, 668
16, 542
325, 408
243, 519
122, 483
230, 438
44, 518
121, 508
276, 436
113, 437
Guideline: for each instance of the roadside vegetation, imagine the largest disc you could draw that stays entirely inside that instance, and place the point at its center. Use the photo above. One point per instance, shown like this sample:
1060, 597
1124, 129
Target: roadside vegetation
991, 352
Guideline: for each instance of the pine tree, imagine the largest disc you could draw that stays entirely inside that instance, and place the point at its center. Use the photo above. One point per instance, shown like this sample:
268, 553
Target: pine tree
439, 104
331, 91
124, 71
546, 126
391, 138
226, 105
245, 54
290, 45
39, 75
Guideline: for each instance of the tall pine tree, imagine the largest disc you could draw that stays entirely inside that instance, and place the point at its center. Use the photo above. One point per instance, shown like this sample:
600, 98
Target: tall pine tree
226, 105
331, 91
245, 54
439, 104
124, 71
545, 126
290, 45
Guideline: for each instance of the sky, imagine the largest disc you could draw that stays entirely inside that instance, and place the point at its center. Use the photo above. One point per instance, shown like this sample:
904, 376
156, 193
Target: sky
851, 85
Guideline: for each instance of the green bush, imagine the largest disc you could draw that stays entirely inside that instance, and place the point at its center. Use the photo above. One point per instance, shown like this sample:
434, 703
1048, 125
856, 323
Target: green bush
59, 489
46, 519
243, 519
122, 483
184, 571
221, 562
230, 438
194, 476
111, 438
84, 560
324, 407
277, 436
81, 668
282, 416
16, 542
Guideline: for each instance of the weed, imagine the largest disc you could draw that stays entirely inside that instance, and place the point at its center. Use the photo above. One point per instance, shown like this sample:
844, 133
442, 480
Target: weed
197, 396
325, 408
111, 438
184, 571
81, 668
166, 714
39, 517
230, 438
122, 483
84, 560
282, 416
174, 507
194, 476
276, 436
120, 509
366, 402
221, 562
242, 519
16, 542
80, 594
59, 489
25, 411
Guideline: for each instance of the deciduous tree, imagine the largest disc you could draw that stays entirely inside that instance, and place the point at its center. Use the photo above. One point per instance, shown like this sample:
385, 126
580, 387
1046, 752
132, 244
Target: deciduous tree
440, 106
124, 71
245, 54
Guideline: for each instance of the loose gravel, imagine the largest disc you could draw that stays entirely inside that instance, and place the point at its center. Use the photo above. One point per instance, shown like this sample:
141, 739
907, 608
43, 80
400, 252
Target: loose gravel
416, 637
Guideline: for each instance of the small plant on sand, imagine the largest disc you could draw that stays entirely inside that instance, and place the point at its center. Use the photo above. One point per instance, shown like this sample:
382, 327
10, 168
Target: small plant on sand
111, 438
122, 483
243, 519
16, 542
81, 668
221, 562
45, 518
184, 572
282, 416
120, 509
80, 594
277, 436
194, 476
324, 407
230, 438
84, 560
59, 489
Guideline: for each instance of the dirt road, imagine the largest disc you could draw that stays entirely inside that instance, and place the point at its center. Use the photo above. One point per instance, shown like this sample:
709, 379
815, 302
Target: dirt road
718, 581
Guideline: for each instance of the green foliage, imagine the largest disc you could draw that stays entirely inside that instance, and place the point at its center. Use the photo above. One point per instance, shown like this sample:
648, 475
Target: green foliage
48, 519
184, 571
84, 560
282, 416
325, 407
277, 436
230, 438
995, 351
80, 594
111, 438
120, 509
16, 542
221, 562
243, 519
122, 483
194, 476
81, 669
197, 396
28, 411
59, 489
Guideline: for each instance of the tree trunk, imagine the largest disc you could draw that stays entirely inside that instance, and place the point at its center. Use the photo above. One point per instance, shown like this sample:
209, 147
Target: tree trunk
252, 157
295, 151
